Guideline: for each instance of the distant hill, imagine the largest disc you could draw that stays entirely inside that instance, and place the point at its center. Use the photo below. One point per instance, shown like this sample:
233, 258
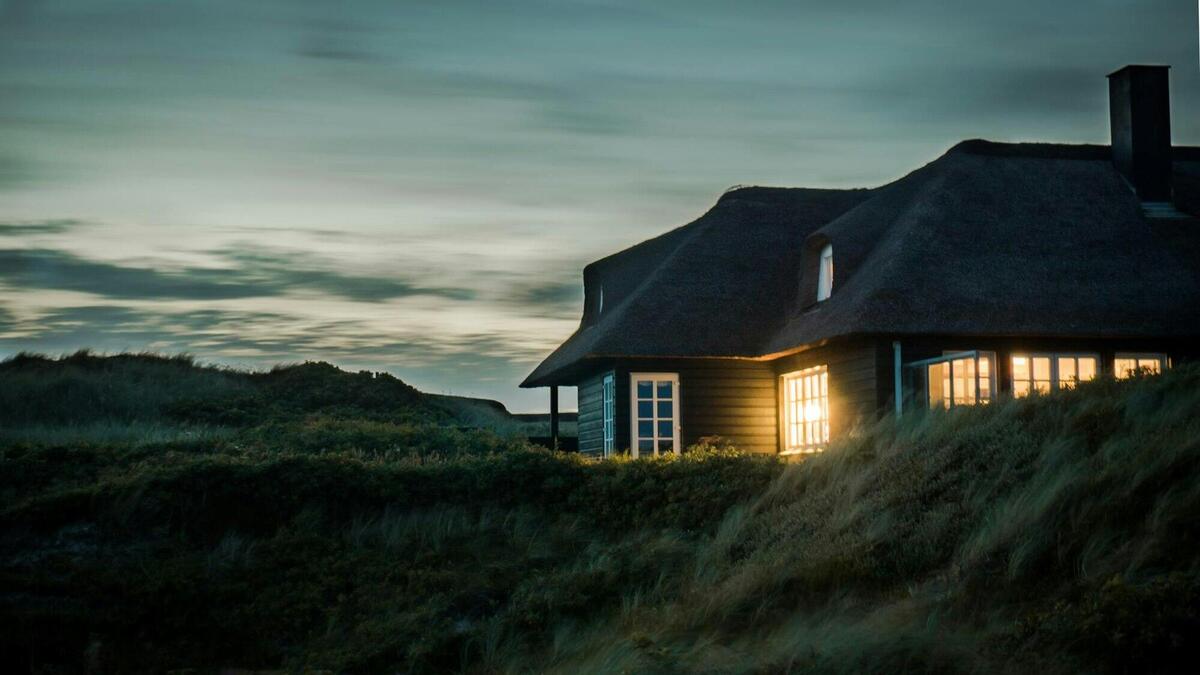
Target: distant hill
156, 394
489, 414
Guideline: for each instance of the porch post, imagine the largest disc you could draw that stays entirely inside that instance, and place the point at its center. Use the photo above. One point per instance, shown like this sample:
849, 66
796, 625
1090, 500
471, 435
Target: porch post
554, 417
898, 382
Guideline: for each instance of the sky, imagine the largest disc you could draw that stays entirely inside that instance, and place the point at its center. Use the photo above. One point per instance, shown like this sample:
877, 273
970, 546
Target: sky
414, 187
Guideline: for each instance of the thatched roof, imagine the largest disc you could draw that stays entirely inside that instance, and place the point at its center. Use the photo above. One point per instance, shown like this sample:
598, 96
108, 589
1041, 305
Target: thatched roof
989, 239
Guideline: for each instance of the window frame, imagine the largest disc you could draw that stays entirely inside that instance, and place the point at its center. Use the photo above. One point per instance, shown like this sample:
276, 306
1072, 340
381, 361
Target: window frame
786, 411
1055, 384
949, 358
608, 417
1075, 355
656, 378
825, 276
1164, 361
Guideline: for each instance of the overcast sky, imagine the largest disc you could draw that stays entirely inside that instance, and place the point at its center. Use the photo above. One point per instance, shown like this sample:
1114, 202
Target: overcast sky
415, 186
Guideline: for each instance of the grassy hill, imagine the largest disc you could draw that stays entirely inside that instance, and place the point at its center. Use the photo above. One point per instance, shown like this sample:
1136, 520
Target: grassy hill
1059, 534
142, 398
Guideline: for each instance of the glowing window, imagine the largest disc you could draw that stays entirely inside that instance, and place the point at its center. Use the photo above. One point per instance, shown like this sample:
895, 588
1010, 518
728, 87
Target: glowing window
964, 378
1044, 373
654, 414
825, 274
1075, 369
610, 400
806, 410
1128, 365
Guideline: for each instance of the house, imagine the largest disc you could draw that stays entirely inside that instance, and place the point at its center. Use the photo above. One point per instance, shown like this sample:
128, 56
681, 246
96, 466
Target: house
783, 317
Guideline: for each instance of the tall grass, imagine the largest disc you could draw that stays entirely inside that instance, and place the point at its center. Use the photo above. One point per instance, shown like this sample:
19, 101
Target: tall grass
83, 389
1058, 534
941, 541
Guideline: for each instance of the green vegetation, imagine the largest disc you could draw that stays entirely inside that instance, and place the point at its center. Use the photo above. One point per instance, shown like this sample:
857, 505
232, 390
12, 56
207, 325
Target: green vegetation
145, 398
1058, 533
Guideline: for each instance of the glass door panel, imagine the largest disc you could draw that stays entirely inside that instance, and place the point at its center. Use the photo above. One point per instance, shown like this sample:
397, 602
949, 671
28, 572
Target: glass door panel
655, 413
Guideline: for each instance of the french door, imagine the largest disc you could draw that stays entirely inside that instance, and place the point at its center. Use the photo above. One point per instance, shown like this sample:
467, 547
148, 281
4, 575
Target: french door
654, 413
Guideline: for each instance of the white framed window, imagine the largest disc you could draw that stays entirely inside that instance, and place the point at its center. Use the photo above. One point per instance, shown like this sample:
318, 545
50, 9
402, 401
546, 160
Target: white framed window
1071, 369
1044, 373
959, 378
654, 413
805, 414
609, 389
825, 274
1128, 365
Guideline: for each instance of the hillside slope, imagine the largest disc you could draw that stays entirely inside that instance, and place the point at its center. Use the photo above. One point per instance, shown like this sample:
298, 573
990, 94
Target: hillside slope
140, 397
1058, 533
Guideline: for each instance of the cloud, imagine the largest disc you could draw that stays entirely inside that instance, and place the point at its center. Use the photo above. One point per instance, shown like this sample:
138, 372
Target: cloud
549, 298
336, 40
32, 227
255, 274
281, 270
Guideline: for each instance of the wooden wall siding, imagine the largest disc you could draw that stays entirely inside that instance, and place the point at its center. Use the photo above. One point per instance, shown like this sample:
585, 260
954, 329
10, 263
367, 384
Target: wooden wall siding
591, 415
738, 400
929, 346
717, 397
854, 368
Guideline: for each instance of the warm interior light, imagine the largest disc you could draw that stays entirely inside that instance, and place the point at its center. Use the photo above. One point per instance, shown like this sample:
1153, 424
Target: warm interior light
964, 381
812, 411
1044, 373
1128, 366
805, 409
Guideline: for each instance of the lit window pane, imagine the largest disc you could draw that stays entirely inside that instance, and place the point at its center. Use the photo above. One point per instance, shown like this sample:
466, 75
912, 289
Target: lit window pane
1020, 367
1067, 377
1124, 367
1131, 364
1087, 368
939, 385
1041, 368
806, 409
1020, 388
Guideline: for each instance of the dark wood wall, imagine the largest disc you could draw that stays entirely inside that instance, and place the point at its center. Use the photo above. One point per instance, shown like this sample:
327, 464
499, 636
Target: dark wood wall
738, 399
591, 415
854, 380
734, 399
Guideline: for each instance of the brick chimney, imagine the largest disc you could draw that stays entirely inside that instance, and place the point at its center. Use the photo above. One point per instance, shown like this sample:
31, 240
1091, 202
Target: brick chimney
1139, 105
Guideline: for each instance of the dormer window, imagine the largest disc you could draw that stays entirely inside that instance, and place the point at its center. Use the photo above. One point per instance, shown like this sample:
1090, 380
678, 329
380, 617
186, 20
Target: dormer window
825, 274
